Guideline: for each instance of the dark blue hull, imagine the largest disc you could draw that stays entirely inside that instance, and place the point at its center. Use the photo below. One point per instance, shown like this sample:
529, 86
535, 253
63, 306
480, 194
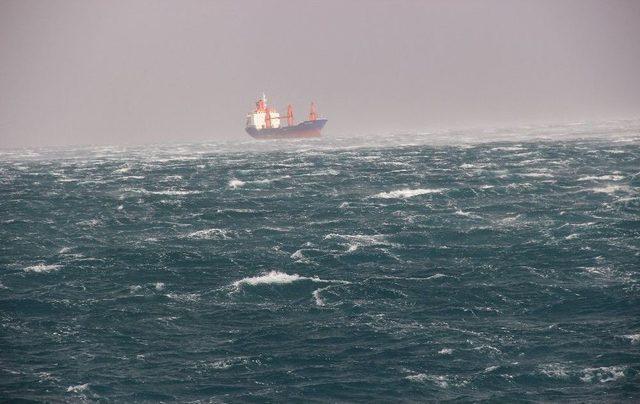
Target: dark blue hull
301, 130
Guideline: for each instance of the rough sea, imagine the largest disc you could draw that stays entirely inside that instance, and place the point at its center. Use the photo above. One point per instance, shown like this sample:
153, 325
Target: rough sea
466, 266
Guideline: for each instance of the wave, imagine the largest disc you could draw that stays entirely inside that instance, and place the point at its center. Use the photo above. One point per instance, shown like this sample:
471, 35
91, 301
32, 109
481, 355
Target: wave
603, 374
407, 193
356, 241
78, 388
42, 268
122, 170
634, 338
508, 148
270, 180
272, 278
184, 297
235, 184
439, 380
609, 189
316, 296
278, 278
460, 212
299, 257
537, 175
174, 192
170, 192
209, 234
235, 210
601, 178
554, 370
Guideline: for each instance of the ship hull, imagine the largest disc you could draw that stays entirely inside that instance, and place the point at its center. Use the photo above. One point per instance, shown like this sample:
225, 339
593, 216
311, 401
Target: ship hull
304, 129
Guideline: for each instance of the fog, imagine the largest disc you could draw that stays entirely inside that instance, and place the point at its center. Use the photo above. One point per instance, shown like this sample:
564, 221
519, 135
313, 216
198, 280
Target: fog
96, 72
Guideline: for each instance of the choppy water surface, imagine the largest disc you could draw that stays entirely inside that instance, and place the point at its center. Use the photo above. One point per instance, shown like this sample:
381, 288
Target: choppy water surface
421, 268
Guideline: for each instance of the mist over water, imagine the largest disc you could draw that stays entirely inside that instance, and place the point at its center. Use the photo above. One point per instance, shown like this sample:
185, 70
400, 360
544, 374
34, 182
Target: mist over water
470, 265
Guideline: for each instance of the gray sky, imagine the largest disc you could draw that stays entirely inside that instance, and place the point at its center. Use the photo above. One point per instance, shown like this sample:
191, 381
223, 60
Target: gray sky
112, 72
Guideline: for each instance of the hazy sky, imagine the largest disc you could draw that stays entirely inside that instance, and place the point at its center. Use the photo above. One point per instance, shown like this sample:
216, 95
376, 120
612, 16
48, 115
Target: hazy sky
111, 72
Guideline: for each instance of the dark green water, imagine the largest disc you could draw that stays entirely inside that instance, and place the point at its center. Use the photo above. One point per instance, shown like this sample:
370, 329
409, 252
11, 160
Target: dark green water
412, 270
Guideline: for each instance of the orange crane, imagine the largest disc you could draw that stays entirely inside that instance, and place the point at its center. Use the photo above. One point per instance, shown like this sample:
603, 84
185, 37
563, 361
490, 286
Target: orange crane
313, 114
289, 115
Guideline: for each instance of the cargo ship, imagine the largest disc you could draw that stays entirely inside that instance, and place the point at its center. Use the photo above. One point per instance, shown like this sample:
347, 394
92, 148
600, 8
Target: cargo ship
265, 123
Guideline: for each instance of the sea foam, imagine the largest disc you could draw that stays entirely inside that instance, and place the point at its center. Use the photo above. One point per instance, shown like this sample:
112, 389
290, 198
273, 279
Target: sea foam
278, 278
209, 234
235, 184
407, 193
42, 268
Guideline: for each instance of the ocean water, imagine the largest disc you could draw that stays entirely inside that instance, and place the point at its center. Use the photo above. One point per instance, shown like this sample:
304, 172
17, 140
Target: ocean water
473, 265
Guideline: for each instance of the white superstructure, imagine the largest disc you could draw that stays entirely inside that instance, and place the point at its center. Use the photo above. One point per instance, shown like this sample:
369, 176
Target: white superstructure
258, 119
263, 116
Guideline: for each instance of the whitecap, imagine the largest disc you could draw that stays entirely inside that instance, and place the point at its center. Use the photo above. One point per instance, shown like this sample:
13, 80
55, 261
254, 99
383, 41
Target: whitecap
316, 296
278, 278
634, 338
460, 212
356, 241
271, 278
537, 175
445, 351
174, 192
507, 148
235, 184
441, 381
609, 189
270, 180
601, 177
603, 374
169, 192
184, 297
407, 193
208, 234
122, 170
299, 256
42, 268
554, 370
78, 388
90, 223
159, 286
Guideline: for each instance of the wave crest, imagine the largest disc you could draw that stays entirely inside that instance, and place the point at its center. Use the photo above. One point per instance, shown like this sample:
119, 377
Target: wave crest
407, 193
